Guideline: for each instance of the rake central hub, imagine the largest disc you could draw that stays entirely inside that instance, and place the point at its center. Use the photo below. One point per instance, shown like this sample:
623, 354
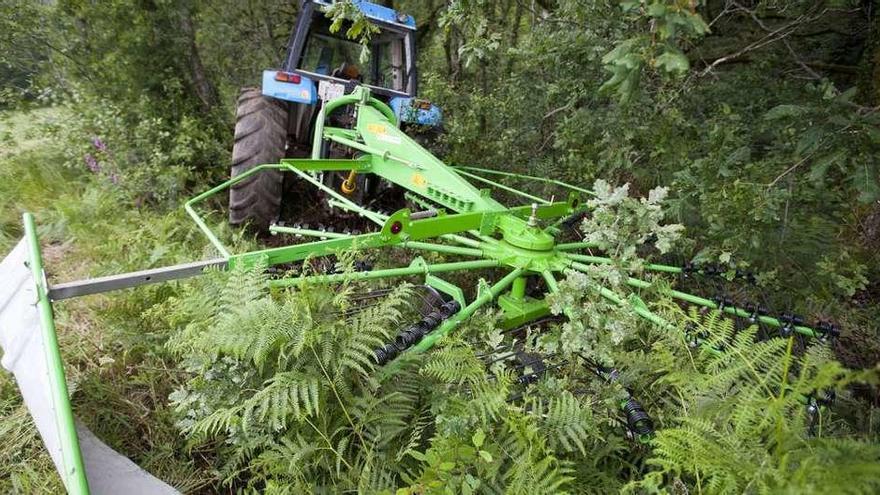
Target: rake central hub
519, 233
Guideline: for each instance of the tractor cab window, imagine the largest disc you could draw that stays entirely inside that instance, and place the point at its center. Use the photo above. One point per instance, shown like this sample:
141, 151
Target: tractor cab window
331, 55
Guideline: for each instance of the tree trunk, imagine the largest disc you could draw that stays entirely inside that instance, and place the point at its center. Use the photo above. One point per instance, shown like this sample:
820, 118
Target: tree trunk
205, 91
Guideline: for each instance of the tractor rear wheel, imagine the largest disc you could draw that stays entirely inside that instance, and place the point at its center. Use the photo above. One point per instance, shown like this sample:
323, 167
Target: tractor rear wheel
260, 138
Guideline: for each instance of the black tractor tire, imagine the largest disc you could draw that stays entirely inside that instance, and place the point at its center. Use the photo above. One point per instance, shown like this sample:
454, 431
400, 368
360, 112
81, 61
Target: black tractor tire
260, 138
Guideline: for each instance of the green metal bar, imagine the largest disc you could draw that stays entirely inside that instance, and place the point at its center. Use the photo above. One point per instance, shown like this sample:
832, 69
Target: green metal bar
708, 303
639, 310
583, 258
74, 473
339, 197
415, 269
684, 296
349, 99
569, 246
529, 177
462, 240
329, 165
503, 187
190, 210
441, 248
370, 150
346, 207
552, 285
277, 229
607, 261
485, 297
484, 238
299, 252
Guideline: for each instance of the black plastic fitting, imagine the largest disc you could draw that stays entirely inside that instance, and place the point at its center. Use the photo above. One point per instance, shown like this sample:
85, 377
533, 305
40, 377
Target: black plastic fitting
827, 330
638, 421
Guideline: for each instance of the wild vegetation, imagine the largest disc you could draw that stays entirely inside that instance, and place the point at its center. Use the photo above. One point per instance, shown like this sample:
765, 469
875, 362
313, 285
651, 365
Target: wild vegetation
750, 128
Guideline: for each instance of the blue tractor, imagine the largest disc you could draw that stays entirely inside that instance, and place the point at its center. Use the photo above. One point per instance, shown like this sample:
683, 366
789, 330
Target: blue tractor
278, 120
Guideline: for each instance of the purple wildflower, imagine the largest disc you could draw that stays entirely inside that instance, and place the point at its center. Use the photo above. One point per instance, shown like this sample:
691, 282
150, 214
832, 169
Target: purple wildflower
98, 144
92, 163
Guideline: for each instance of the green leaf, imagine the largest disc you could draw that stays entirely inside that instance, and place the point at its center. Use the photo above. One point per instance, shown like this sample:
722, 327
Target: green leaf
673, 62
447, 466
784, 111
808, 142
656, 9
478, 438
867, 184
417, 455
820, 166
486, 456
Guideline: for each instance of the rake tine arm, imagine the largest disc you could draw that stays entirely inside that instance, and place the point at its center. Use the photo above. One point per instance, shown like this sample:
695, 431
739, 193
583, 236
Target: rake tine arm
684, 296
415, 269
502, 187
552, 286
732, 310
572, 246
615, 298
601, 260
441, 248
278, 229
530, 177
424, 246
462, 240
485, 297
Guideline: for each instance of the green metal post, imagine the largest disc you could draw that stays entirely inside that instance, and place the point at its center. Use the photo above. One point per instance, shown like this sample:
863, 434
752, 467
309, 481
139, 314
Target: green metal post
73, 470
518, 289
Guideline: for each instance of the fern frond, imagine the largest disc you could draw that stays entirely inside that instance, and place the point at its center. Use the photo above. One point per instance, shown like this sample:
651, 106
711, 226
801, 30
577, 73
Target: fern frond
286, 395
454, 364
244, 284
566, 422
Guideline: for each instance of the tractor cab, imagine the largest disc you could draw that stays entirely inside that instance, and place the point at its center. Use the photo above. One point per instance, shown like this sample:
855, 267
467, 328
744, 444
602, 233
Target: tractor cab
322, 65
278, 119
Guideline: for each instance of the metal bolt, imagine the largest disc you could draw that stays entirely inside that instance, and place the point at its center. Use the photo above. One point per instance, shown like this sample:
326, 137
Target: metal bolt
533, 219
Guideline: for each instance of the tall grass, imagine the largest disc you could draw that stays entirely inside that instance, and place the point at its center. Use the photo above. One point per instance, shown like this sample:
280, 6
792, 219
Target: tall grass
118, 375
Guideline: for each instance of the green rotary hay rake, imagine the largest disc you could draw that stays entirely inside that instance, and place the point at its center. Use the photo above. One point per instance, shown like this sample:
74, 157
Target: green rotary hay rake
451, 217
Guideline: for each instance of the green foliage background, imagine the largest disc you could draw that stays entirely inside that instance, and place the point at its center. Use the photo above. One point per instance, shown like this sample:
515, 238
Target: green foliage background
759, 116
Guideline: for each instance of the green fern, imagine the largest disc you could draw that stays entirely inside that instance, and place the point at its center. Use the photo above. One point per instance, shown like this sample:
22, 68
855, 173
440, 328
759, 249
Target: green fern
567, 423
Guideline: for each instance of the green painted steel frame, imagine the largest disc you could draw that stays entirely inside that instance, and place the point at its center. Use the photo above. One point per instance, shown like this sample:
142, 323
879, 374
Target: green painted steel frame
73, 470
524, 247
